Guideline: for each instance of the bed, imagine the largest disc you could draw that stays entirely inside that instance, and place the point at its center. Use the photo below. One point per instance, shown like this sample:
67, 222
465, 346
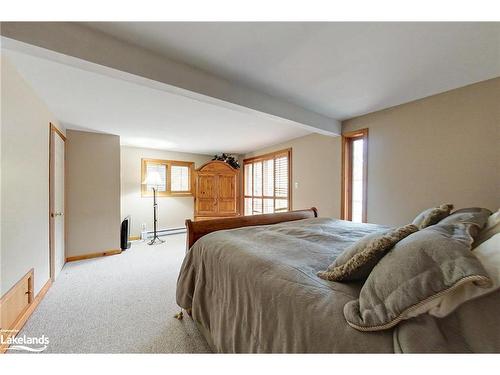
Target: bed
250, 285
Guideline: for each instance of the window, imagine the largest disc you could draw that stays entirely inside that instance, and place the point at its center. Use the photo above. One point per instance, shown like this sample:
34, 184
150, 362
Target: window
176, 177
354, 175
180, 178
266, 183
162, 170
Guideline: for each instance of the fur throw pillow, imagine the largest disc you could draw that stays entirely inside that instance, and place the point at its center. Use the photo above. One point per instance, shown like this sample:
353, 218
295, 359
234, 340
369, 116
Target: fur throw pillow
357, 261
432, 216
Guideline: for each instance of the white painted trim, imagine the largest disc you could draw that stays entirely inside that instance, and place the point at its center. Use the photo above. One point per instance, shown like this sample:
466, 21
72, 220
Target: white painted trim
167, 232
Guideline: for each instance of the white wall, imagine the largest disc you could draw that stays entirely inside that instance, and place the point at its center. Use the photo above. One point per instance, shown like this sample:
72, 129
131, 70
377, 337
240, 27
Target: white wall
92, 192
172, 211
25, 181
316, 162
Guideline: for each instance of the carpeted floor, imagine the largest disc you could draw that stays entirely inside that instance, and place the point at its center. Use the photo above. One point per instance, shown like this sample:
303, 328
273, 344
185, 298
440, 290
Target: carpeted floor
118, 304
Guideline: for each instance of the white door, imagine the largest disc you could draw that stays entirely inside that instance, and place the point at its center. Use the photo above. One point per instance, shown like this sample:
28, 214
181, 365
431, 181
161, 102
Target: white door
59, 205
57, 202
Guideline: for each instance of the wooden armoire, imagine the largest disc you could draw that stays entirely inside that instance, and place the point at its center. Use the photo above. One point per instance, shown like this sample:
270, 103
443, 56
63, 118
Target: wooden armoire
216, 191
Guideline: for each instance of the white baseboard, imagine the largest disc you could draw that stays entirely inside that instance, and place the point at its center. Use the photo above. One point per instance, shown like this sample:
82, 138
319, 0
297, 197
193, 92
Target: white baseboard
167, 232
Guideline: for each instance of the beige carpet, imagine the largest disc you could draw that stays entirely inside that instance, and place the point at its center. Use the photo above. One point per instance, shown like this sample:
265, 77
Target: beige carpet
118, 304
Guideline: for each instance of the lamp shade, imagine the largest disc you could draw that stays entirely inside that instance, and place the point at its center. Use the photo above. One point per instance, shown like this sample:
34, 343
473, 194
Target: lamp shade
152, 179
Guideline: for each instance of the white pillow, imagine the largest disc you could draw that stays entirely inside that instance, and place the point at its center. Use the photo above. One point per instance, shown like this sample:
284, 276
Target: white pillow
491, 228
488, 254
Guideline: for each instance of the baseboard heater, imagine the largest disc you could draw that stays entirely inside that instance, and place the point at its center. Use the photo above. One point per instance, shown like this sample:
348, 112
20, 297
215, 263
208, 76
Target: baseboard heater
166, 232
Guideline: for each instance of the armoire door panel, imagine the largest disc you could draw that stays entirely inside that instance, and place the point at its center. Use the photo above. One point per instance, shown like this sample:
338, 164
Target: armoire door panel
227, 186
206, 186
227, 206
206, 206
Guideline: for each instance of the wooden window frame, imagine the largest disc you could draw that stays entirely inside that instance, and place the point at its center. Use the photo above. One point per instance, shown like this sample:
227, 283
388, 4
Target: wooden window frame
268, 156
168, 191
346, 200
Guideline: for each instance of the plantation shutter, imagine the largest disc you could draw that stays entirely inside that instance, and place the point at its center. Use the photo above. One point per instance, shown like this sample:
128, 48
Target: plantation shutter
179, 178
162, 170
266, 185
281, 183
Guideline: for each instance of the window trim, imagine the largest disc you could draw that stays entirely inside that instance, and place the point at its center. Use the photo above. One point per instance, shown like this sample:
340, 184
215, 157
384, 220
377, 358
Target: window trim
168, 191
267, 156
346, 194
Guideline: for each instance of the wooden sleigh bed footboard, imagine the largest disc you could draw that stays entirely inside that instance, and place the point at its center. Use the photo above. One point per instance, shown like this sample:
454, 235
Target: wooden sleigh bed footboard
197, 229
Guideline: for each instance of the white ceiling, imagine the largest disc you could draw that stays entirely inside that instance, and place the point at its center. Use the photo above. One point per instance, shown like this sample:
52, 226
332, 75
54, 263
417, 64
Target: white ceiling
340, 70
145, 116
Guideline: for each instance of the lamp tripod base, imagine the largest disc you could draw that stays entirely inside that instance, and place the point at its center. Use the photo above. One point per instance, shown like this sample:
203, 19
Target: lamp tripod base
156, 240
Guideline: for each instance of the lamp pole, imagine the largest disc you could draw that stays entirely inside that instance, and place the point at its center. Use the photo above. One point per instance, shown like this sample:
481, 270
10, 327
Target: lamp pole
155, 220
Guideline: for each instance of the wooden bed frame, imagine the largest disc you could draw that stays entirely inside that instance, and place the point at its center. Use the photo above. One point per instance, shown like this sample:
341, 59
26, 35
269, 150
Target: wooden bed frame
197, 229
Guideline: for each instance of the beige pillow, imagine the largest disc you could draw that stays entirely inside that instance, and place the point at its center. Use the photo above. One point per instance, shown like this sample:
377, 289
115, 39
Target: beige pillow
432, 216
476, 215
409, 280
357, 261
492, 227
488, 254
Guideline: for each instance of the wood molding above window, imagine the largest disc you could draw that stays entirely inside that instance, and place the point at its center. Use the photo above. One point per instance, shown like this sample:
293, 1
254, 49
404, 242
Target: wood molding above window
267, 181
348, 140
174, 173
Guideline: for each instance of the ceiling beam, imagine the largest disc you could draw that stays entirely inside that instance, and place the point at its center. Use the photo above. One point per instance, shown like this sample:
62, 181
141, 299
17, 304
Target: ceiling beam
146, 67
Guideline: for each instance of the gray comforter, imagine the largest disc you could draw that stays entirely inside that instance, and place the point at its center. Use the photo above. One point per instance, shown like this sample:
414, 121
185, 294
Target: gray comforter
255, 290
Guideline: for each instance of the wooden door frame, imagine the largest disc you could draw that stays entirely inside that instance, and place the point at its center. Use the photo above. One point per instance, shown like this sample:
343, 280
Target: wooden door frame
346, 193
53, 132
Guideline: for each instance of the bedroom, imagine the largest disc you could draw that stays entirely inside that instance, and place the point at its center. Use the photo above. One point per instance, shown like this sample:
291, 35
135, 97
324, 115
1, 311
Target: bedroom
346, 152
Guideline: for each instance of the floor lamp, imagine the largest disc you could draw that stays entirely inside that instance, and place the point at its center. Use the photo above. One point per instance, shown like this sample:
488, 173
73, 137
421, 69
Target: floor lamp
153, 179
